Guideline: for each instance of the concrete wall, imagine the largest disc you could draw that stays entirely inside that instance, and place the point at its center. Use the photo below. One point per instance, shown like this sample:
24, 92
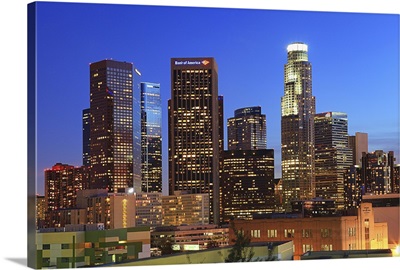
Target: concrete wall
390, 215
283, 251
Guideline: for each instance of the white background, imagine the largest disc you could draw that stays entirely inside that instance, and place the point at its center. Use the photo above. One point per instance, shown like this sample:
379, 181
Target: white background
13, 106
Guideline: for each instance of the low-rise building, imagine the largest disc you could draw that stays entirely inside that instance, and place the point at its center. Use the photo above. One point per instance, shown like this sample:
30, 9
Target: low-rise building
356, 232
195, 237
386, 208
148, 209
185, 208
75, 247
115, 210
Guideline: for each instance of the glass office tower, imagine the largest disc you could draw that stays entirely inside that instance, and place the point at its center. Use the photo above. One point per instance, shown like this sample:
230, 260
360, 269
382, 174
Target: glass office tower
111, 130
332, 156
195, 129
297, 126
137, 129
151, 137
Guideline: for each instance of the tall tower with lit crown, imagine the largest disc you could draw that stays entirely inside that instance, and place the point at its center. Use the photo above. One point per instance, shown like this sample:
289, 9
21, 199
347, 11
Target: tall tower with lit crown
297, 126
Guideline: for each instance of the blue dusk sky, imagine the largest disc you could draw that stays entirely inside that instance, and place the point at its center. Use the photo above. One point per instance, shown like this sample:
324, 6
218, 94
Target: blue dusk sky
354, 57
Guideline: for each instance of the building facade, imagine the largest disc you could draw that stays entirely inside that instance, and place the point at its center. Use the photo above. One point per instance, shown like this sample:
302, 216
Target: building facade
62, 182
320, 233
189, 209
40, 211
137, 131
332, 156
86, 137
358, 144
247, 183
387, 209
316, 207
378, 175
72, 249
297, 126
111, 125
148, 209
69, 216
195, 130
191, 237
114, 210
352, 187
151, 137
247, 129
396, 178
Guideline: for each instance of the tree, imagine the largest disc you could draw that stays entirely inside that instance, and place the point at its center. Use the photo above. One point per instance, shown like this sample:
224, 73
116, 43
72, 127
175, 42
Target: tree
165, 245
212, 243
240, 251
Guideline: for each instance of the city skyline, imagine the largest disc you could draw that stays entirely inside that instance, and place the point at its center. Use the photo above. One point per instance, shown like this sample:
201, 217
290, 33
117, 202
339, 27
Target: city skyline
320, 56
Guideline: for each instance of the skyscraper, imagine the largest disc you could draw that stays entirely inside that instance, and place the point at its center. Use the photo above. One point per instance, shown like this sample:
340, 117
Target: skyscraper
297, 126
111, 128
151, 137
332, 156
137, 130
247, 181
194, 129
247, 129
86, 137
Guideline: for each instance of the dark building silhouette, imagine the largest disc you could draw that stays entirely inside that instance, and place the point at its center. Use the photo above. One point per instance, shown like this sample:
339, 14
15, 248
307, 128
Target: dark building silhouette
317, 207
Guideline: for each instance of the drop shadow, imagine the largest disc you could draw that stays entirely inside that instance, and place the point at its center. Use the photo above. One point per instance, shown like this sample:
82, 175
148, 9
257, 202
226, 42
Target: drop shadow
20, 261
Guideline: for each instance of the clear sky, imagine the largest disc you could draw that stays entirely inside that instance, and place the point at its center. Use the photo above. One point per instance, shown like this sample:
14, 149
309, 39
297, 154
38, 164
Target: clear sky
354, 57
